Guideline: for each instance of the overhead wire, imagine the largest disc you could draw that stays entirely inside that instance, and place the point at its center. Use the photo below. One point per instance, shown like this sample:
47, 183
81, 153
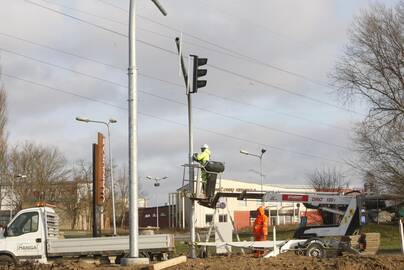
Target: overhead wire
62, 51
175, 101
87, 13
163, 119
231, 52
205, 92
213, 66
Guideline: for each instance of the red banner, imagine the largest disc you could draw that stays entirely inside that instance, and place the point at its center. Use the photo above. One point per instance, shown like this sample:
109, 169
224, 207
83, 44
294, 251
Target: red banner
295, 197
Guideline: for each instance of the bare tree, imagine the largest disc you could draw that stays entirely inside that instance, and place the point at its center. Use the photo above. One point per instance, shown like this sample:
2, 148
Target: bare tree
382, 154
371, 70
3, 144
43, 166
122, 188
327, 179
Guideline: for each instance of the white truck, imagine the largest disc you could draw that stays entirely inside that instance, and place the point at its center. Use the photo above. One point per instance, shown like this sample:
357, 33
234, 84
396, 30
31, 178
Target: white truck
33, 235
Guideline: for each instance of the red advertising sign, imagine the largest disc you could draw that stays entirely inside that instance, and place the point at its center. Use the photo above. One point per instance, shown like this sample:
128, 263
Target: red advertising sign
295, 197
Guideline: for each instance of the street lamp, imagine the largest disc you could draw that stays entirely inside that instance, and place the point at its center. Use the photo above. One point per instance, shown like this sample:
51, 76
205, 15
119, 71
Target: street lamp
244, 152
110, 121
156, 184
12, 190
133, 256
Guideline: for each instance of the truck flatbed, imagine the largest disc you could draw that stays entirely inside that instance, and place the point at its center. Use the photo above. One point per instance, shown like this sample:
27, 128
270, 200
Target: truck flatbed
111, 246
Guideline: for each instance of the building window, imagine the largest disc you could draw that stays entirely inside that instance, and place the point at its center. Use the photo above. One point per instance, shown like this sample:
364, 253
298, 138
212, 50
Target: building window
242, 202
208, 219
163, 215
223, 218
147, 215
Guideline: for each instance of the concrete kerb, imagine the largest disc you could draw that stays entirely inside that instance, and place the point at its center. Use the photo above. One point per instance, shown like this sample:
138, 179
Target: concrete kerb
134, 261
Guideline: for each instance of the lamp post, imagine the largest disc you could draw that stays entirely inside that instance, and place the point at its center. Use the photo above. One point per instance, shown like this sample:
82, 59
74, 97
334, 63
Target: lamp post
156, 184
133, 256
110, 121
12, 190
244, 152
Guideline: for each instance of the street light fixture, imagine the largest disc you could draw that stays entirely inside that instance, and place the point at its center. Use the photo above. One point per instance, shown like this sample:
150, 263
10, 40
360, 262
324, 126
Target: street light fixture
22, 176
156, 184
244, 152
110, 121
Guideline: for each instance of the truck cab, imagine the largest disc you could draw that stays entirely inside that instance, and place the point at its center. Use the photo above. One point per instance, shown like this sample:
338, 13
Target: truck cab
23, 238
33, 235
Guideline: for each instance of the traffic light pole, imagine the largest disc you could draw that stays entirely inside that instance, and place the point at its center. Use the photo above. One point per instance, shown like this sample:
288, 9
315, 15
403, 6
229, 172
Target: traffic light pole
191, 176
191, 220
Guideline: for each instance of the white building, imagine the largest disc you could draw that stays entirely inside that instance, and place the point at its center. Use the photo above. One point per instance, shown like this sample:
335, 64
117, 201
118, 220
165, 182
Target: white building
242, 212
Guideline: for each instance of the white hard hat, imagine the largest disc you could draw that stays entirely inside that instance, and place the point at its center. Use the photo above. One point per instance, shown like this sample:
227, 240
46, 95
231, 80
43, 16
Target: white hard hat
205, 146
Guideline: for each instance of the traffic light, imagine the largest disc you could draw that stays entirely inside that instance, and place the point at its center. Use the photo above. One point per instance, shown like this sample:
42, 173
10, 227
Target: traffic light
197, 72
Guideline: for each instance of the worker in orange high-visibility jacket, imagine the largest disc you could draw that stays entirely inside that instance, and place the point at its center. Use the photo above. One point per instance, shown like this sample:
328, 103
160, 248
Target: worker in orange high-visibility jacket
260, 229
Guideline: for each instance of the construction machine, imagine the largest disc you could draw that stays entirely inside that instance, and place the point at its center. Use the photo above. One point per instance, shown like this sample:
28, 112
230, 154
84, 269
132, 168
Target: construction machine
348, 211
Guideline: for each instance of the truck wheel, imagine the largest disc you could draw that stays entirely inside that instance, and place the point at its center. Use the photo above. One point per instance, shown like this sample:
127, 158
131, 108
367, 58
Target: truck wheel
315, 250
6, 260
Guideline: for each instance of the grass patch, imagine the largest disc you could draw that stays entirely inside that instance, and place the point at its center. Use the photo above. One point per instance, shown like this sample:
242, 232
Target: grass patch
389, 235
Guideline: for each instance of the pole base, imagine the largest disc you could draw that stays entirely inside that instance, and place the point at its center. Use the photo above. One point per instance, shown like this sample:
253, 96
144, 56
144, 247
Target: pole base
134, 261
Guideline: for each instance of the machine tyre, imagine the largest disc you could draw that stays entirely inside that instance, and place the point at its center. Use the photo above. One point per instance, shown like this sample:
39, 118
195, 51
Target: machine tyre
315, 250
6, 260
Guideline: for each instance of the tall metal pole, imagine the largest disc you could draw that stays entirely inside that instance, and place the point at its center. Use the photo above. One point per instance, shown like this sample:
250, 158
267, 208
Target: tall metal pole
262, 178
261, 174
112, 180
133, 257
191, 220
191, 177
157, 212
133, 179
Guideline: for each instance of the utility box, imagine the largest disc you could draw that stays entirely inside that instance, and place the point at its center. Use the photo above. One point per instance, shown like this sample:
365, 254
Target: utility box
223, 233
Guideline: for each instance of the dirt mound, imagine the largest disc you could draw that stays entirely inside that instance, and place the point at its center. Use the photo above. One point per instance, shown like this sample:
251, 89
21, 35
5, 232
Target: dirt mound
292, 262
248, 262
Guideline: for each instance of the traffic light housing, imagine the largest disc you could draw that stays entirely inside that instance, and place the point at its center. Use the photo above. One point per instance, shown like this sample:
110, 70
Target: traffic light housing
198, 72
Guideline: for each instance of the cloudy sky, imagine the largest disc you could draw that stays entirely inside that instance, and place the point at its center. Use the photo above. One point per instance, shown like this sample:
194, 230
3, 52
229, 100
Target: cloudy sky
268, 84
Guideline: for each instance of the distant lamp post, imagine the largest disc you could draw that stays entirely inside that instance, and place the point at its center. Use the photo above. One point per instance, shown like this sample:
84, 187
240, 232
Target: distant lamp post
110, 121
156, 184
12, 190
244, 152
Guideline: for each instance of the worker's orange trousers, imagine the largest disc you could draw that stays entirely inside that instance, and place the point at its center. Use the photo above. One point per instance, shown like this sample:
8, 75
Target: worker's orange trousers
260, 237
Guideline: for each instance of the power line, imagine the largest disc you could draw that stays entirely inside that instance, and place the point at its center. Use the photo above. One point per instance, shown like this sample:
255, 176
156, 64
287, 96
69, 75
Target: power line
231, 52
167, 82
177, 102
163, 119
213, 66
77, 18
86, 13
112, 5
280, 88
63, 68
250, 122
59, 90
62, 51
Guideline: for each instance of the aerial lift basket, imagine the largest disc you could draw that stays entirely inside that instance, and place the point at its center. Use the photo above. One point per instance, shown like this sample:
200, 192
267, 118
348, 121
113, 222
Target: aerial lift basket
203, 193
